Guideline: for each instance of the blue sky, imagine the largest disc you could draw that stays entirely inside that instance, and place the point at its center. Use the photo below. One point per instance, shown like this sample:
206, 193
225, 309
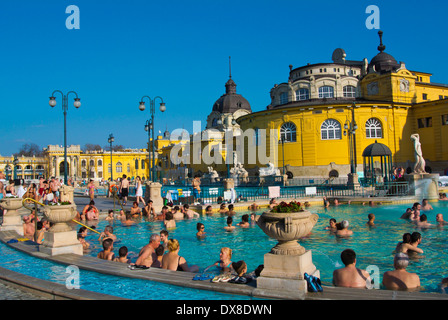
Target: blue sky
179, 50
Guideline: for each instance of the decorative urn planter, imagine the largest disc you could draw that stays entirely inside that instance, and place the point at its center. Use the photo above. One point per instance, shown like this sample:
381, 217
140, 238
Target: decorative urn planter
60, 215
287, 262
12, 219
287, 229
61, 238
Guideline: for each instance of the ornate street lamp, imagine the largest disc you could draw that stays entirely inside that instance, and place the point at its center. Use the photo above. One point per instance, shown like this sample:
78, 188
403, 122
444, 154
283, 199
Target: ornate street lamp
110, 140
149, 127
350, 128
76, 104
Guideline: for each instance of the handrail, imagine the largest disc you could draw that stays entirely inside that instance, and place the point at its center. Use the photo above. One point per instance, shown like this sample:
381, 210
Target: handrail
30, 199
86, 226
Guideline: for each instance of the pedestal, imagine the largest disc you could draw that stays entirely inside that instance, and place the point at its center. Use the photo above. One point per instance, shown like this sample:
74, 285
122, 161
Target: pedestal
285, 274
229, 184
353, 180
56, 243
12, 219
154, 193
423, 185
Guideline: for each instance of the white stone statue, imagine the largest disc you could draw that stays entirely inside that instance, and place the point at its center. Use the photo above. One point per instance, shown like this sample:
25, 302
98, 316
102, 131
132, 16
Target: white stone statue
419, 166
212, 174
269, 171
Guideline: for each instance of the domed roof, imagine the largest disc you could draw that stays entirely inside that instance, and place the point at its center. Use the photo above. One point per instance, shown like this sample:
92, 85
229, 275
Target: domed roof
383, 62
231, 101
376, 150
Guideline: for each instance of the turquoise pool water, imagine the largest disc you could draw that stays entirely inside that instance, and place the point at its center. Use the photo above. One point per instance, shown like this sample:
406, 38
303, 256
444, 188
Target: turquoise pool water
373, 245
122, 287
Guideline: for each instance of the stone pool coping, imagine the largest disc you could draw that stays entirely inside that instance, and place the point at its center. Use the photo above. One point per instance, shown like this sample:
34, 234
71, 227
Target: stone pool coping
58, 291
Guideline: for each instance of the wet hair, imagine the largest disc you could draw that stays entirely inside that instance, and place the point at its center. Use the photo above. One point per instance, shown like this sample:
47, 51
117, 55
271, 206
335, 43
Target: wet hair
423, 218
81, 230
228, 250
415, 236
230, 206
160, 250
169, 216
173, 245
154, 237
229, 220
107, 243
111, 211
199, 225
208, 207
245, 218
186, 206
123, 251
370, 216
401, 260
91, 203
348, 256
333, 220
407, 238
223, 205
239, 267
176, 208
164, 232
40, 225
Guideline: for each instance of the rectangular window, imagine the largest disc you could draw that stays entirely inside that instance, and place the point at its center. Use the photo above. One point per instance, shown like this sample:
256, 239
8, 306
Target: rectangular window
424, 122
444, 119
425, 96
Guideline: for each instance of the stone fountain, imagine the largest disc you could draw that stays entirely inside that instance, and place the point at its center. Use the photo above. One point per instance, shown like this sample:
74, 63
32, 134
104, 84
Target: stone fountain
287, 262
12, 219
60, 238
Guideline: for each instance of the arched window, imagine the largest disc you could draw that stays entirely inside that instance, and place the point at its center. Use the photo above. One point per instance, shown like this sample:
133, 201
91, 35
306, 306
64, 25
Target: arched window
374, 129
109, 168
284, 98
302, 94
129, 168
92, 163
330, 130
83, 163
143, 164
349, 91
288, 132
136, 164
118, 167
100, 163
326, 92
257, 137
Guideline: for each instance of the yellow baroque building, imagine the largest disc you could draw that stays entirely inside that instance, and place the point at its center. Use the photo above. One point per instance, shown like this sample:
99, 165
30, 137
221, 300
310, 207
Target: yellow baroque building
320, 105
321, 120
94, 165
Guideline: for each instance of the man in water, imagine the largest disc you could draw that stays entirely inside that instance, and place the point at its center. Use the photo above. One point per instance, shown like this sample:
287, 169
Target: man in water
344, 232
350, 276
400, 279
439, 219
426, 206
147, 256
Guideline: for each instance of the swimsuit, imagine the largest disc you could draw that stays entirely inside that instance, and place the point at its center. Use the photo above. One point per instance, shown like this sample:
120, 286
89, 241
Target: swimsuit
179, 268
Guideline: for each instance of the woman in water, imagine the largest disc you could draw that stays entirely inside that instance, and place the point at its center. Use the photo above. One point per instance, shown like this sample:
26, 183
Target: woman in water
173, 261
224, 263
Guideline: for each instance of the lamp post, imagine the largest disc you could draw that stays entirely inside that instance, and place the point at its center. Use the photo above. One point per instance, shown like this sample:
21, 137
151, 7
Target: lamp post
350, 128
76, 104
283, 153
15, 163
149, 127
110, 140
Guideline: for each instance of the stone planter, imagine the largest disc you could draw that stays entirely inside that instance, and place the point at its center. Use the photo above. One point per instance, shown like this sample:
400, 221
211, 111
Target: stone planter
287, 228
60, 215
12, 219
60, 238
287, 262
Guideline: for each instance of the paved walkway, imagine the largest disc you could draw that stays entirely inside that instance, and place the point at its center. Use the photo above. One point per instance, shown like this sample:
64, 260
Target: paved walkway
10, 293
